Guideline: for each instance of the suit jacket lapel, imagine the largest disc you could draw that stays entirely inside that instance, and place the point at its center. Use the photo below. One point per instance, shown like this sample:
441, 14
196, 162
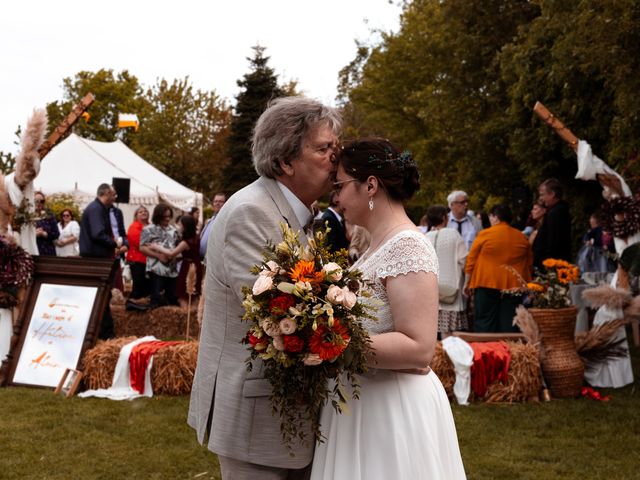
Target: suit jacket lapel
287, 213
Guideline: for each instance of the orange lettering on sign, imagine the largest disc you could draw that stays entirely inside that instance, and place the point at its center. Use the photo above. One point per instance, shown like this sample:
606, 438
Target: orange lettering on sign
43, 361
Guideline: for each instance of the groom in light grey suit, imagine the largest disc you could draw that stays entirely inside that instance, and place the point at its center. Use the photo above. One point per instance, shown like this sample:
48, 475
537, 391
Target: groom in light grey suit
294, 145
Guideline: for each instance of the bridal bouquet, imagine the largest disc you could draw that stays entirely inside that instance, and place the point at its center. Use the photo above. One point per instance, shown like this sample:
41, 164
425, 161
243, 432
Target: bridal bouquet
306, 327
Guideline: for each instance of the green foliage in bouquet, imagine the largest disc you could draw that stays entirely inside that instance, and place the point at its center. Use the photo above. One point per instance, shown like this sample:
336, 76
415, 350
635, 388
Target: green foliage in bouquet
306, 327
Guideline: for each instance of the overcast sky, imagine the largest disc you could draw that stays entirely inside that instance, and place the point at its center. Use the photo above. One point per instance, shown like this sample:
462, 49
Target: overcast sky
42, 42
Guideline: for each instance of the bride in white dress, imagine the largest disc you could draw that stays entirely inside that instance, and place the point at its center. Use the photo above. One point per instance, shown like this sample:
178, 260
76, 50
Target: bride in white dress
402, 426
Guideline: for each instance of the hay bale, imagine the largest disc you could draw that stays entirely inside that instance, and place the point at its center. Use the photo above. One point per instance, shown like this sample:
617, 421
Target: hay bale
99, 363
161, 322
443, 368
173, 369
524, 377
171, 373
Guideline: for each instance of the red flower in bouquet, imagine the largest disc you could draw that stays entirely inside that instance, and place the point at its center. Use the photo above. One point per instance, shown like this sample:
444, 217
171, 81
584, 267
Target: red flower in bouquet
257, 343
329, 341
293, 343
280, 304
305, 271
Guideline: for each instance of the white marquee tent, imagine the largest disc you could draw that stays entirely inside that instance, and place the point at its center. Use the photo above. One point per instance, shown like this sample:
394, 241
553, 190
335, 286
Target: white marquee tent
77, 166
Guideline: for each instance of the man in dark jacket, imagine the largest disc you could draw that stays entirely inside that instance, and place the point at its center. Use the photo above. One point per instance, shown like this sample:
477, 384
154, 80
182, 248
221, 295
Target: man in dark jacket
554, 236
96, 236
96, 240
332, 216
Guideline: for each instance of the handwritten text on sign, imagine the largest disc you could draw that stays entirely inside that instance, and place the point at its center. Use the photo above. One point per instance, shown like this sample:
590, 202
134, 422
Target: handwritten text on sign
55, 335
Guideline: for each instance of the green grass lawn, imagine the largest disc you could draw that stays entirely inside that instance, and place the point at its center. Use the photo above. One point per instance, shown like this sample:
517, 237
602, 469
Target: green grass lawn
44, 436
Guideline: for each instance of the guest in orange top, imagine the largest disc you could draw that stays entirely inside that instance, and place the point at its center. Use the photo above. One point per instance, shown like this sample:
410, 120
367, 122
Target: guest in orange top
136, 259
496, 253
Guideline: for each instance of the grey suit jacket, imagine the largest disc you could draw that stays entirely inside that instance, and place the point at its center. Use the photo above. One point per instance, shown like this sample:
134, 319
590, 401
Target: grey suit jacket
227, 402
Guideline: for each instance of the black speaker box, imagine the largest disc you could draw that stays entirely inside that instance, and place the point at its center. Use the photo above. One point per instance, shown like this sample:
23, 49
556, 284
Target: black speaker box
122, 186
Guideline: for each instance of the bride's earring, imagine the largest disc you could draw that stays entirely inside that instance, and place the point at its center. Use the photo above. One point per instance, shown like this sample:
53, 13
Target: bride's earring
371, 204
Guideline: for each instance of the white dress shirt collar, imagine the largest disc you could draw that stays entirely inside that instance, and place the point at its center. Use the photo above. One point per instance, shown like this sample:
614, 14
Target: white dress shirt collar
303, 214
338, 216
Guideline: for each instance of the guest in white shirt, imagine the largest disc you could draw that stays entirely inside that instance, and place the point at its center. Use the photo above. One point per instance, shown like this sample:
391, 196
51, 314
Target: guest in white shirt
459, 217
67, 242
452, 253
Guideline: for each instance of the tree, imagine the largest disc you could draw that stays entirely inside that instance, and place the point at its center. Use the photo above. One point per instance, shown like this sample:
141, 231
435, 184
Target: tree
577, 59
435, 88
184, 134
182, 131
121, 93
8, 160
258, 87
458, 82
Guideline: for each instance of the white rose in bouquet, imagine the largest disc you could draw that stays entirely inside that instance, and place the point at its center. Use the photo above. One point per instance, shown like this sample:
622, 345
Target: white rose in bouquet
332, 272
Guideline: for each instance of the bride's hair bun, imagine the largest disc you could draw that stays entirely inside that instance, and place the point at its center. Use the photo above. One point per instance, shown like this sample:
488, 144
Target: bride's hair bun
378, 157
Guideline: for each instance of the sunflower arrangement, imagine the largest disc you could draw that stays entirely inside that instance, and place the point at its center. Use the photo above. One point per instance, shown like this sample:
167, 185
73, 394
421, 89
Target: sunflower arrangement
306, 328
550, 289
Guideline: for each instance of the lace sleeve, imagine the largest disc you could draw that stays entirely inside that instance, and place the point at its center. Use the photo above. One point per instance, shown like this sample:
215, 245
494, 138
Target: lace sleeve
409, 252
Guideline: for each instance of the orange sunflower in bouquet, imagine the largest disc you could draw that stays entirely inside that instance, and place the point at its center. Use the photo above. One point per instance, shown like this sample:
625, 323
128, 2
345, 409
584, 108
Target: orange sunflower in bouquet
306, 327
550, 289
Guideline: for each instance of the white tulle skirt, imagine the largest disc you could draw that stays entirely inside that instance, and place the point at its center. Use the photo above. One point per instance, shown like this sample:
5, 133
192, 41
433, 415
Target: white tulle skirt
400, 428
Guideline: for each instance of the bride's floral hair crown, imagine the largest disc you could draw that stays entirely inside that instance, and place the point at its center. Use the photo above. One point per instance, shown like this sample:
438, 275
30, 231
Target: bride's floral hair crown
378, 157
402, 161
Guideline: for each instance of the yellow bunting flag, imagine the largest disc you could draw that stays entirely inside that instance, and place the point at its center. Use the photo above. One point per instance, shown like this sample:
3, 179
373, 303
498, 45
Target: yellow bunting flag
128, 120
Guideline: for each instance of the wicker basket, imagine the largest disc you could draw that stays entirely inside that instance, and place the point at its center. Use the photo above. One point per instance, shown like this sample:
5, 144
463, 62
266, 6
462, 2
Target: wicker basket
562, 367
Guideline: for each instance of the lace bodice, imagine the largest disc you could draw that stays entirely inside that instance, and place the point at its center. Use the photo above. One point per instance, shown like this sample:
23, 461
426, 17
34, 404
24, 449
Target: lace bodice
407, 251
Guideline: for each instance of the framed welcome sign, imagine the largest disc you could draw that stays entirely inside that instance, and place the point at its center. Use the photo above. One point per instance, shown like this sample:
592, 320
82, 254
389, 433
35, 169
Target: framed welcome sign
59, 321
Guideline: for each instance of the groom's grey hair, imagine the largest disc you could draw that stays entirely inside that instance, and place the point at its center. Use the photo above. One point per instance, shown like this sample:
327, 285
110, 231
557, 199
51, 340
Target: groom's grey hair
283, 127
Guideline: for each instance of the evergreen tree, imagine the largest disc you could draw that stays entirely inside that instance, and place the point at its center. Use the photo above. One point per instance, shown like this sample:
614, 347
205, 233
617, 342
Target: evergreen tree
259, 86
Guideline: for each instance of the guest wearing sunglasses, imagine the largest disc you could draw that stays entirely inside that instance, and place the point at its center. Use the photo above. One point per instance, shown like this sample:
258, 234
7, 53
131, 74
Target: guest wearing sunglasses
67, 243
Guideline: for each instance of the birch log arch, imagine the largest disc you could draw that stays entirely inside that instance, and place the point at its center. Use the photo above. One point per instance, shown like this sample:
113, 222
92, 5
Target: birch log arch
59, 321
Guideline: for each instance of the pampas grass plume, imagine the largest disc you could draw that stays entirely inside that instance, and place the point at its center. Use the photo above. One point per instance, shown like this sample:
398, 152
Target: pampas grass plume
528, 326
28, 161
606, 295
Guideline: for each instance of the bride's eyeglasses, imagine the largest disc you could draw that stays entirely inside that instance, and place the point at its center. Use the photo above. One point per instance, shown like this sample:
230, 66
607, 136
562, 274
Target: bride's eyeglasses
337, 186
